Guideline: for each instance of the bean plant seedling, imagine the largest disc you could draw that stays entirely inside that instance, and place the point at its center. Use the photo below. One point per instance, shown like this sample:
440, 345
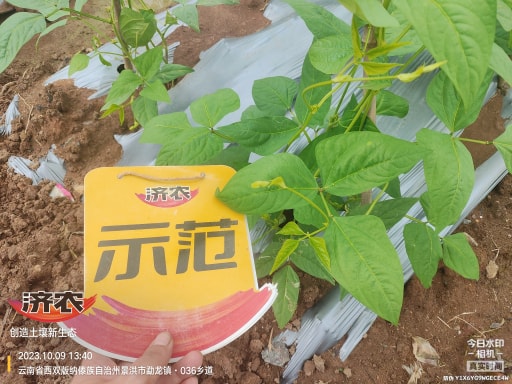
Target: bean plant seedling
146, 75
317, 203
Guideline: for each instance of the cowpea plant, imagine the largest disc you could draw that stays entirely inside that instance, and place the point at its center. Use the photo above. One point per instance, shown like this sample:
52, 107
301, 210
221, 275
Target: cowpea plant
144, 80
314, 202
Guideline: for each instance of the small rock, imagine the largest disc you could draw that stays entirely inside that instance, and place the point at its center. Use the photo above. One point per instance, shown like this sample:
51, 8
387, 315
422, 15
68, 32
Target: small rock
492, 269
319, 363
309, 368
276, 354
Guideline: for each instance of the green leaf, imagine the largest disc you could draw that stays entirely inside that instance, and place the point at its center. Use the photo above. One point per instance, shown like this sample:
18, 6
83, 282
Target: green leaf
331, 53
137, 27
365, 263
308, 215
15, 31
371, 11
307, 260
51, 28
274, 95
389, 211
449, 174
78, 62
144, 109
156, 91
358, 161
424, 251
253, 189
291, 229
79, 4
390, 104
263, 135
265, 260
503, 144
210, 109
234, 156
288, 286
164, 128
124, 86
189, 15
148, 63
501, 63
318, 244
50, 9
170, 72
460, 257
190, 147
309, 76
446, 103
104, 61
288, 247
504, 15
459, 31
319, 20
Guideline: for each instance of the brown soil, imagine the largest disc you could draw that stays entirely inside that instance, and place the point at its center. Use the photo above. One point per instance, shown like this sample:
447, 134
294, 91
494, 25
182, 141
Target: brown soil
41, 245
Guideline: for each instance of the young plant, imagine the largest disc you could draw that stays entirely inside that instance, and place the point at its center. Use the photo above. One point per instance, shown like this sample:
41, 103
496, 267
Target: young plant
313, 201
144, 80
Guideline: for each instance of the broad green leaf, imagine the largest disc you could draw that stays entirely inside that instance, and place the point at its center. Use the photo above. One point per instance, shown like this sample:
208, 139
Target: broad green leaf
504, 15
371, 11
234, 156
79, 4
190, 147
291, 229
449, 174
308, 261
501, 63
265, 260
365, 263
309, 215
210, 109
255, 190
460, 257
319, 20
78, 62
389, 211
424, 251
503, 144
50, 9
144, 109
446, 103
288, 286
264, 135
331, 53
459, 31
148, 63
124, 86
137, 27
164, 128
188, 14
15, 31
288, 247
390, 104
358, 161
170, 72
309, 76
318, 244
274, 95
156, 91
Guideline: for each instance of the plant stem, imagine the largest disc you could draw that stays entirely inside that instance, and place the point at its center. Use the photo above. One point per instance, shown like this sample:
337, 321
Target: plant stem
484, 142
414, 219
376, 200
309, 201
116, 4
74, 12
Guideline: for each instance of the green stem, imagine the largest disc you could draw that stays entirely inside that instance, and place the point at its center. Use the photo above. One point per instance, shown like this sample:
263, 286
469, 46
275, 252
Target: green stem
484, 142
414, 219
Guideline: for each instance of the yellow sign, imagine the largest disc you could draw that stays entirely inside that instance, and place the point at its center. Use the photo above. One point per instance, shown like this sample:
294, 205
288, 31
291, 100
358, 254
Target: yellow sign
155, 235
